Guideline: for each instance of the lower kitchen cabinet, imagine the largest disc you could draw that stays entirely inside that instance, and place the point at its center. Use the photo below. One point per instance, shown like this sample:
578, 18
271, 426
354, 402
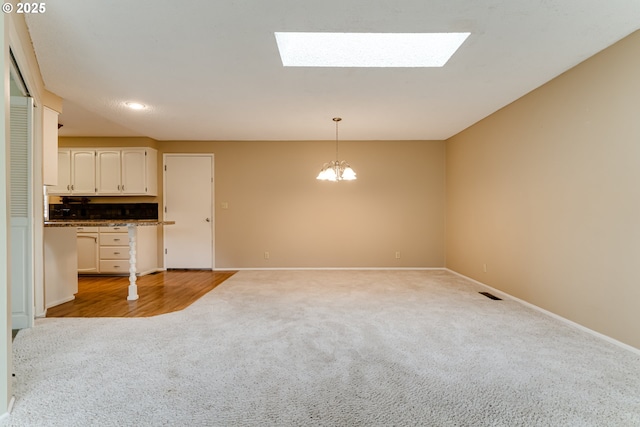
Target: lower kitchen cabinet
112, 251
88, 248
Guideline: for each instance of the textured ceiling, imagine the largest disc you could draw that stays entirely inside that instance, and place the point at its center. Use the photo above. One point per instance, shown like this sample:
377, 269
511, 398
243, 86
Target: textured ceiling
210, 70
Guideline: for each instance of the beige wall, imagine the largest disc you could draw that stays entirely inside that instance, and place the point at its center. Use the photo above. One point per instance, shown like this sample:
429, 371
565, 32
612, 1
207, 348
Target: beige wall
546, 193
277, 205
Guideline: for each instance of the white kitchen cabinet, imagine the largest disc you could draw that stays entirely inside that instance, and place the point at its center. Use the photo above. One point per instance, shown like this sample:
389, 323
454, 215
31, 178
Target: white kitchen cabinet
87, 246
50, 147
83, 172
107, 172
76, 173
114, 250
64, 174
112, 253
136, 178
60, 265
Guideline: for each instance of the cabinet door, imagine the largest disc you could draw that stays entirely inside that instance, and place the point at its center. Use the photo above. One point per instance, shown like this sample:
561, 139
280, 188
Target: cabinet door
108, 172
64, 174
49, 146
134, 171
88, 253
83, 172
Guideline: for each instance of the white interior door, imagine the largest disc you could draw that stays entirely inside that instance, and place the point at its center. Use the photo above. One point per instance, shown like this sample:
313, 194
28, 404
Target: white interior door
188, 200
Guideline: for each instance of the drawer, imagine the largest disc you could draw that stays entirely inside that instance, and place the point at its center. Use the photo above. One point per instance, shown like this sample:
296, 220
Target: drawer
114, 266
120, 229
114, 239
87, 229
114, 252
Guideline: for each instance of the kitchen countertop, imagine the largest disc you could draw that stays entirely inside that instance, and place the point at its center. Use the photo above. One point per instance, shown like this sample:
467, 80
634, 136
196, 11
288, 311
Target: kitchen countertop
57, 227
105, 222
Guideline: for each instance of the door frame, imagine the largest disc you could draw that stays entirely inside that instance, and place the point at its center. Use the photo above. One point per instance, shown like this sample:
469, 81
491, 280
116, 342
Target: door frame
213, 201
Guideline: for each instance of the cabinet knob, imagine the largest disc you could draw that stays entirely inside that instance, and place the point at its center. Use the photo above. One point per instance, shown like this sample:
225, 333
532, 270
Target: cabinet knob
208, 220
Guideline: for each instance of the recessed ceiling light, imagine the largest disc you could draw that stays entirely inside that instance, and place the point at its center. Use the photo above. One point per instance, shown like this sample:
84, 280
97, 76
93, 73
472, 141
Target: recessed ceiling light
367, 49
135, 105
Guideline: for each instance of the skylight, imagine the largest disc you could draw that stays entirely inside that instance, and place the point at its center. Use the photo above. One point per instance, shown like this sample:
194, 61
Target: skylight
367, 49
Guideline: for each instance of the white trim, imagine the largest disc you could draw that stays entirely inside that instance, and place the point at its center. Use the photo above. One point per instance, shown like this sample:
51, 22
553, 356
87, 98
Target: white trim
148, 271
24, 64
9, 408
61, 301
555, 316
325, 268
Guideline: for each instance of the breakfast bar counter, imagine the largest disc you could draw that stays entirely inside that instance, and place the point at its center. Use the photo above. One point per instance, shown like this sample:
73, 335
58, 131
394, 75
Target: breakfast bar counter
105, 222
61, 277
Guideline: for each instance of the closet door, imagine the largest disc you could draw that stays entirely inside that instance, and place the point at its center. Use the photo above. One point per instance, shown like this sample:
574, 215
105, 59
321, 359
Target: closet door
22, 286
188, 200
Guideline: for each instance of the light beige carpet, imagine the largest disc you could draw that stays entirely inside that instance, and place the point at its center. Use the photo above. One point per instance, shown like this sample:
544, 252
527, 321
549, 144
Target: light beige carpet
326, 348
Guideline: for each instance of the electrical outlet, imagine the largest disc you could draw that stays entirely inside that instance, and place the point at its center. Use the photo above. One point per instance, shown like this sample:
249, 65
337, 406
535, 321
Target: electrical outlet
484, 267
397, 254
266, 255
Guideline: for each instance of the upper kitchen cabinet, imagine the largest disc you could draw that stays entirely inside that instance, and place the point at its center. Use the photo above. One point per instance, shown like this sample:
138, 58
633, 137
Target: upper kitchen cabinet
76, 172
126, 171
108, 180
107, 172
63, 172
139, 171
83, 172
116, 172
50, 147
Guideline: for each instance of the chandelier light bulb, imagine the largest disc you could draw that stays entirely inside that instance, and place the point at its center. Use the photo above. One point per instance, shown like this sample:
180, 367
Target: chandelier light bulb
336, 170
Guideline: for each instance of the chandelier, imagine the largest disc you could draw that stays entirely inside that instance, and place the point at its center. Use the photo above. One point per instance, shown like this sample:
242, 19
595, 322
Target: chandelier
336, 170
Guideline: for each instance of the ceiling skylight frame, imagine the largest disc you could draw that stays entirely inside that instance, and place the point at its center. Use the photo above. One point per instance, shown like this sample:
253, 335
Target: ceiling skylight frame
376, 50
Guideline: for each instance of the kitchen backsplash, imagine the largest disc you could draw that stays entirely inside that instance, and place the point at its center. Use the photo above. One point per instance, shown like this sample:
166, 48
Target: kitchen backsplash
77, 208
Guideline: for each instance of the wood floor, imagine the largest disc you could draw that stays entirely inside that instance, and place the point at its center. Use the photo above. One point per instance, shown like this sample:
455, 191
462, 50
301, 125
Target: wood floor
159, 293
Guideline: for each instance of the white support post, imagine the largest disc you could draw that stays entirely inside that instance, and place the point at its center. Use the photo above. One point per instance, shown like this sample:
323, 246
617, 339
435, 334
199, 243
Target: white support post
133, 288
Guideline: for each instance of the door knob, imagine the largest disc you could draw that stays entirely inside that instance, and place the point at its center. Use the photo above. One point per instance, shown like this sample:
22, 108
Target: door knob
208, 220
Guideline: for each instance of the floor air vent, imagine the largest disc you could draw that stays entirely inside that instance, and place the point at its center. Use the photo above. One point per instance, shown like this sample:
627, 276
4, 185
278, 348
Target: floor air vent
490, 296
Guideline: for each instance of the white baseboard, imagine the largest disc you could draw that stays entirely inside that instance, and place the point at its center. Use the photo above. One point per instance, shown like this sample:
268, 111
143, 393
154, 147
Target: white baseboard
149, 271
62, 301
551, 314
9, 408
19, 321
323, 268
